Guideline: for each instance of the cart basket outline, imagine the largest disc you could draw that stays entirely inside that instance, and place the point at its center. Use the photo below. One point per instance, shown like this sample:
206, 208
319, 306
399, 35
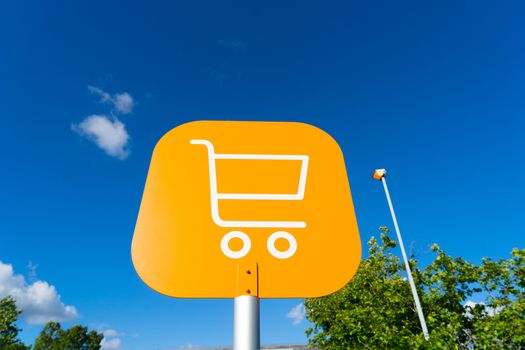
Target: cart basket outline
215, 196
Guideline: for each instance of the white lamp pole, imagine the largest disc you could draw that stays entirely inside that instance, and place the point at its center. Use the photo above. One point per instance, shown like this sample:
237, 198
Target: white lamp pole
379, 174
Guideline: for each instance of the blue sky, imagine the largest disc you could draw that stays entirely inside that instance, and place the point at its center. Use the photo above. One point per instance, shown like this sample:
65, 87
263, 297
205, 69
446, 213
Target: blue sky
432, 91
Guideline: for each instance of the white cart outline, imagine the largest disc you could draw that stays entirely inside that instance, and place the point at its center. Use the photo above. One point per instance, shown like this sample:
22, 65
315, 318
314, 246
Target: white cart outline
216, 196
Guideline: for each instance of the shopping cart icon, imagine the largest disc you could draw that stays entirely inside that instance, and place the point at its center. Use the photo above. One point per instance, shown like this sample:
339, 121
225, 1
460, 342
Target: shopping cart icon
215, 196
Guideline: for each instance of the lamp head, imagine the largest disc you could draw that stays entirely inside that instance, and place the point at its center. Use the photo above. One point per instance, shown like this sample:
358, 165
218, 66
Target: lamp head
379, 174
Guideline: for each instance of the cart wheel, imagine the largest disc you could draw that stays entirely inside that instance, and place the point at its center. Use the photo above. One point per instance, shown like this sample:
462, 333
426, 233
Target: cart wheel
277, 253
247, 244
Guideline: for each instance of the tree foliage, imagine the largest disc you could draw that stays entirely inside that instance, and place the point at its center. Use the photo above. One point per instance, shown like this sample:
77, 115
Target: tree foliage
52, 336
375, 310
8, 329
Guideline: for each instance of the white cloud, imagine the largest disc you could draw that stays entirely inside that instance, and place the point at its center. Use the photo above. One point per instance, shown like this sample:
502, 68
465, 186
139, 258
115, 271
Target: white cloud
112, 338
297, 314
31, 270
110, 344
122, 102
110, 333
104, 96
490, 311
109, 135
39, 301
471, 304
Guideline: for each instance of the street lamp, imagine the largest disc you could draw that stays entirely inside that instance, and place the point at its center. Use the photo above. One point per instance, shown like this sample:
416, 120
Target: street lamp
379, 174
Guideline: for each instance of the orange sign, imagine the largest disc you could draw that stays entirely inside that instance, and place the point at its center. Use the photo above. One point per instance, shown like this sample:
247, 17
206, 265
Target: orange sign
246, 208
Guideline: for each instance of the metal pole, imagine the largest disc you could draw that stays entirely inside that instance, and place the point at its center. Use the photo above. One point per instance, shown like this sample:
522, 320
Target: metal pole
246, 323
409, 272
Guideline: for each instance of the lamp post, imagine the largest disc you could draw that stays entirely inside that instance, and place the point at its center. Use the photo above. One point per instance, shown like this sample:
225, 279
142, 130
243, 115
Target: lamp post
379, 174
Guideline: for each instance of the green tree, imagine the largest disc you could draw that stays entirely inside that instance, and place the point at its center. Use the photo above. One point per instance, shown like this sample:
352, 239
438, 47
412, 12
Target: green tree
8, 329
53, 337
375, 310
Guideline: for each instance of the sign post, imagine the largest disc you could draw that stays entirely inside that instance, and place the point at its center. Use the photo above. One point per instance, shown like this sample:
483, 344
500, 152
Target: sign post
246, 329
379, 174
246, 210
